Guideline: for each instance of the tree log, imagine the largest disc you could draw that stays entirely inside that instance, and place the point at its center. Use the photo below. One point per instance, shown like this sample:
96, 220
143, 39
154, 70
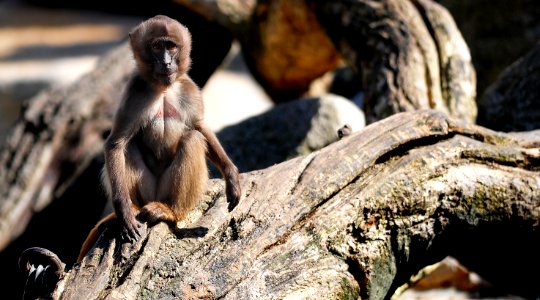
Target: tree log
355, 219
410, 54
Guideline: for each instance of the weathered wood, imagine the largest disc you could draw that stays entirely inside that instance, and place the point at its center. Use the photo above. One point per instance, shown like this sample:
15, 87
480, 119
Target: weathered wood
355, 219
410, 54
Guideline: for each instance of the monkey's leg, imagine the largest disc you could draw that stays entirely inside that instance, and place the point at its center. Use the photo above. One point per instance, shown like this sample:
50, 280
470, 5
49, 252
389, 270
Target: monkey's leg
143, 181
182, 183
140, 181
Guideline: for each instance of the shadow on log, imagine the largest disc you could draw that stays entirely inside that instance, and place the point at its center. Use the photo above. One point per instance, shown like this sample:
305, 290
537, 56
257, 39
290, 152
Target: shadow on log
355, 219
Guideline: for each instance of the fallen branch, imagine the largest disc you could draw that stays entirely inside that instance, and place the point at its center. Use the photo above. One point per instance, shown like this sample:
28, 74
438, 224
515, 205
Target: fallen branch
355, 219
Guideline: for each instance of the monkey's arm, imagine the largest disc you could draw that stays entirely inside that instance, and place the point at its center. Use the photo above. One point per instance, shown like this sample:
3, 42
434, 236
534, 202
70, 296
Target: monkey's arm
217, 155
123, 129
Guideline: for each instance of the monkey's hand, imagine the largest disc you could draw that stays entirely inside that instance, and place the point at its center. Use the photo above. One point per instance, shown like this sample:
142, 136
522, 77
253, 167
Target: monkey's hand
131, 229
233, 190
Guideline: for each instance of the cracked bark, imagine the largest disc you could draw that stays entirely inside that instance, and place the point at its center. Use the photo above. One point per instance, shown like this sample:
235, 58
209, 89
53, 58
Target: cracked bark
355, 219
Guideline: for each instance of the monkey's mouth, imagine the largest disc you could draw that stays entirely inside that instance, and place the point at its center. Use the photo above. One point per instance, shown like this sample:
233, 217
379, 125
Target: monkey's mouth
166, 74
166, 77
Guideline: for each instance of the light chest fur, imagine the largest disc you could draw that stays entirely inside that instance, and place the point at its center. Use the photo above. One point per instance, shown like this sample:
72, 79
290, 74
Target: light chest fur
167, 117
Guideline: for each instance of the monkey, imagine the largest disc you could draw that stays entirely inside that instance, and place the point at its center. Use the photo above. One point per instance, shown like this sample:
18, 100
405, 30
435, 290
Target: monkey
155, 154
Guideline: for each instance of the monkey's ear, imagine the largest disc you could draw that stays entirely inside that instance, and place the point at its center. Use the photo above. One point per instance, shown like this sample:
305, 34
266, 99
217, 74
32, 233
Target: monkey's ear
135, 38
136, 32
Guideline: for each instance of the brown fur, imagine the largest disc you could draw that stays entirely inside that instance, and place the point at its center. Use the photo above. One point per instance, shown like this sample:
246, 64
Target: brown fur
155, 166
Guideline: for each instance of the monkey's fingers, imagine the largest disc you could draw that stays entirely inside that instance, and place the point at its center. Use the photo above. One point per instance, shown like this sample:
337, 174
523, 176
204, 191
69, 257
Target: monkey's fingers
233, 195
129, 236
132, 231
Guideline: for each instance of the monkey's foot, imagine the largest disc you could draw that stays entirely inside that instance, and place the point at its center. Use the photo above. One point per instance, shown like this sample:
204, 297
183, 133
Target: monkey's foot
154, 212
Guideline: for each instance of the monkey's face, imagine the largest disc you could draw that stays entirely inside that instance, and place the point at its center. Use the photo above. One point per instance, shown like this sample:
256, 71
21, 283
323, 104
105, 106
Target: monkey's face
162, 48
165, 60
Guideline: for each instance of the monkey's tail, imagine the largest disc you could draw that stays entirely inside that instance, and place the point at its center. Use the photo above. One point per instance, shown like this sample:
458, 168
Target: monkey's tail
94, 234
43, 270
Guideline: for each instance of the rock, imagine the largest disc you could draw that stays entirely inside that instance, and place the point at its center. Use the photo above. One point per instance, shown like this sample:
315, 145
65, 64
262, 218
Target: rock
288, 130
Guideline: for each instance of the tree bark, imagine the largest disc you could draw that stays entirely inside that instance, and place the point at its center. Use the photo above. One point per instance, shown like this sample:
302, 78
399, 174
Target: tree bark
355, 219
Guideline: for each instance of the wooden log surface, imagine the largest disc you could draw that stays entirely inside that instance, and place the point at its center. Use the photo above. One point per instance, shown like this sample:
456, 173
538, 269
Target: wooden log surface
62, 130
355, 219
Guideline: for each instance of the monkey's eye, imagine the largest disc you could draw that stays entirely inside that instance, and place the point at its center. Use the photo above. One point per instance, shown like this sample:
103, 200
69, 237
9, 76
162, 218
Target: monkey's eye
171, 46
156, 46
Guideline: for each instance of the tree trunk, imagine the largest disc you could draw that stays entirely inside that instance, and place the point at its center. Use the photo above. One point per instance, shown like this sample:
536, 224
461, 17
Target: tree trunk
355, 219
409, 54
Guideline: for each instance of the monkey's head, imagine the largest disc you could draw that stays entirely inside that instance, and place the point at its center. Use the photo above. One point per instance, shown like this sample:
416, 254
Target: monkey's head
161, 47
